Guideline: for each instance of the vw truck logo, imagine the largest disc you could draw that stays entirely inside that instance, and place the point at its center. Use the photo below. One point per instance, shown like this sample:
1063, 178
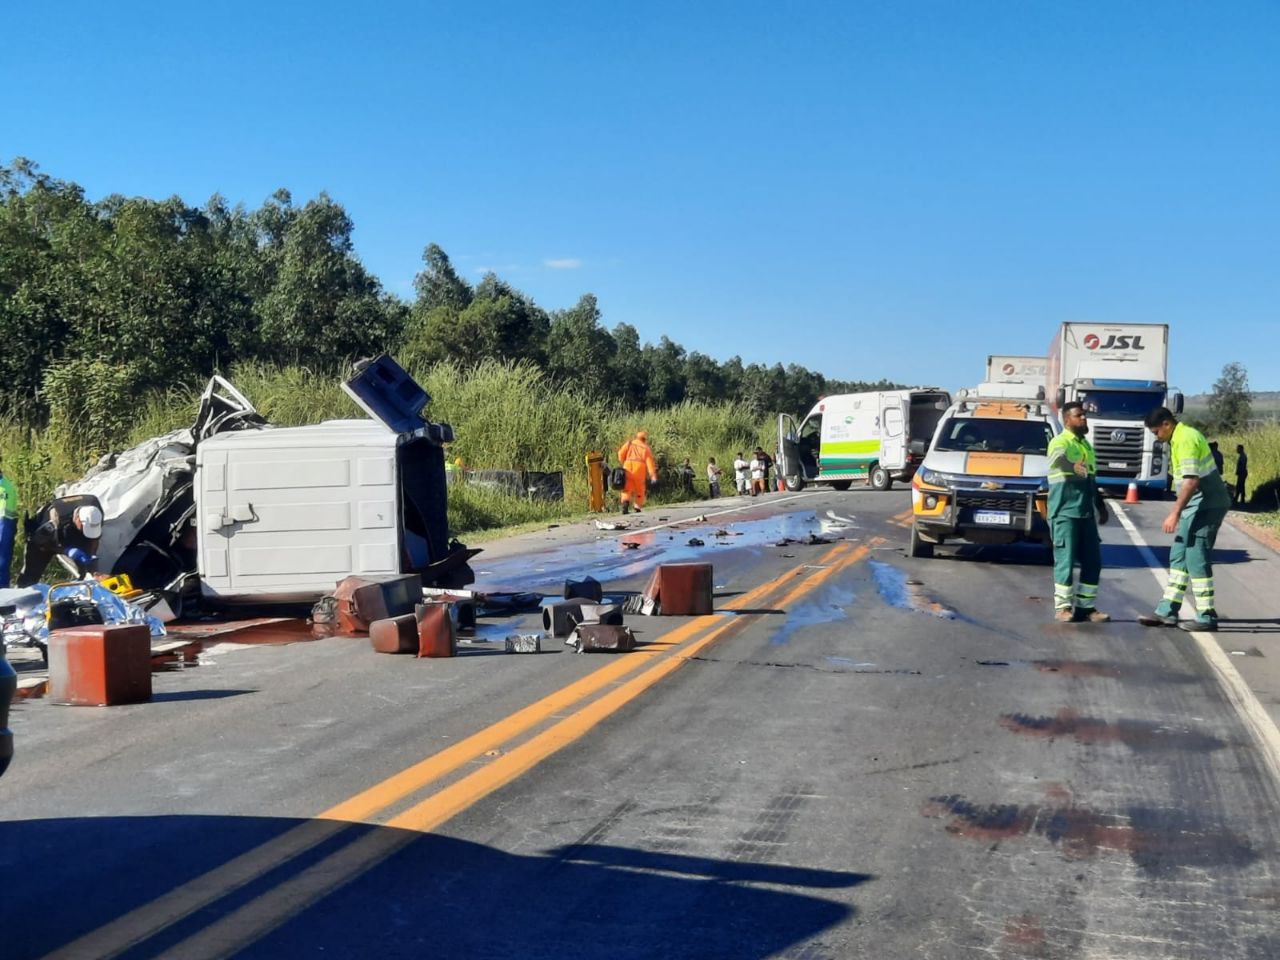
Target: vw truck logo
1119, 436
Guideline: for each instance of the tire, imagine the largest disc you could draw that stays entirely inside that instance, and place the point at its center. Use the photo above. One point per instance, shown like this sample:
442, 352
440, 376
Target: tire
794, 484
841, 484
879, 478
917, 547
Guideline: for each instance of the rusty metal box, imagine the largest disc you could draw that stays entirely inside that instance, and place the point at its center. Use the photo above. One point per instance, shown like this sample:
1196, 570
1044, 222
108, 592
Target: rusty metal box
395, 634
100, 666
685, 589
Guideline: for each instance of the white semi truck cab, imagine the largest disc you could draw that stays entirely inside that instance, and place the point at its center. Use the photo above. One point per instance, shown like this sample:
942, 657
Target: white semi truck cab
1120, 373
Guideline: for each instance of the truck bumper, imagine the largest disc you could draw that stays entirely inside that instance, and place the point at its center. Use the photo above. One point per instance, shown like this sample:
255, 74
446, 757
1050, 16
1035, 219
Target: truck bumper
1159, 483
958, 520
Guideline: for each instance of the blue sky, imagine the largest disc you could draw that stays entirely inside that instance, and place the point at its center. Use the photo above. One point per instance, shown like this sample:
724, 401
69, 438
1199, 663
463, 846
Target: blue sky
868, 189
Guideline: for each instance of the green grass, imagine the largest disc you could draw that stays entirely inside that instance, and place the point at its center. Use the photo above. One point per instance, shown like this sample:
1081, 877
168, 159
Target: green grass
505, 416
1263, 487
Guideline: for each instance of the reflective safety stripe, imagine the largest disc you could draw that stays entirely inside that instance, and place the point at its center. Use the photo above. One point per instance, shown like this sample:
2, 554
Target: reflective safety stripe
1177, 586
1062, 596
1204, 592
1086, 595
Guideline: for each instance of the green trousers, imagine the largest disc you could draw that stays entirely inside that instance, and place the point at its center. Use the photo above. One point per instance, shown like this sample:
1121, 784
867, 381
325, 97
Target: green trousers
1191, 560
1075, 541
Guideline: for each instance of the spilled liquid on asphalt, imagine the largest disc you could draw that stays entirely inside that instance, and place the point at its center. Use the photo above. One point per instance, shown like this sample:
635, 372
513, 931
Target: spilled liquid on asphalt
607, 559
897, 591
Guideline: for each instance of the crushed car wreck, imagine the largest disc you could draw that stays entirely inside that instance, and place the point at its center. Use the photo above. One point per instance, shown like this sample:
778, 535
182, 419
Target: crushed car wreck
235, 511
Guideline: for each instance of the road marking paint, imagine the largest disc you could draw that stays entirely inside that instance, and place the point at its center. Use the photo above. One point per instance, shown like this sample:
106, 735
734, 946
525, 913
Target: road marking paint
841, 519
231, 933
1255, 716
124, 932
717, 513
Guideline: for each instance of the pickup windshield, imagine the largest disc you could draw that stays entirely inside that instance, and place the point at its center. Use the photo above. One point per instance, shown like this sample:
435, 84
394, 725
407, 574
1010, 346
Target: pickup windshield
1120, 404
995, 435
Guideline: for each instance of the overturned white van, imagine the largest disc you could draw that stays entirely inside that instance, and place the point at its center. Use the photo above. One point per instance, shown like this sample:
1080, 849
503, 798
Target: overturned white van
282, 513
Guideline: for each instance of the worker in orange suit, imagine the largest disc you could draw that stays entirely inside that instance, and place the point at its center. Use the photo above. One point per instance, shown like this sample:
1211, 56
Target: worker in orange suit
637, 460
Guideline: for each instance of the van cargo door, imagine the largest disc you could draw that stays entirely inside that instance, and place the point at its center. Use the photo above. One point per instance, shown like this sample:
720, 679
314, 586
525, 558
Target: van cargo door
893, 434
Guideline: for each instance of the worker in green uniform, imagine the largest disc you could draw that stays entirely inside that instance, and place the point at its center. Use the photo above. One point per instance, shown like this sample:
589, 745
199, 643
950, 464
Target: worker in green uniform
1202, 505
8, 525
1075, 510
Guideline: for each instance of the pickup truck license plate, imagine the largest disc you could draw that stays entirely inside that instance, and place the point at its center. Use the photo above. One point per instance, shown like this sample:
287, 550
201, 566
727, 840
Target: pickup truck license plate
1002, 517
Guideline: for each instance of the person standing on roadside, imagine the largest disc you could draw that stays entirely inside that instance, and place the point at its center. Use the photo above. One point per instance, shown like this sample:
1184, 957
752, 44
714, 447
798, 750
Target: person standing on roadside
741, 475
637, 460
1219, 460
8, 525
1076, 508
713, 478
1202, 505
1242, 475
757, 473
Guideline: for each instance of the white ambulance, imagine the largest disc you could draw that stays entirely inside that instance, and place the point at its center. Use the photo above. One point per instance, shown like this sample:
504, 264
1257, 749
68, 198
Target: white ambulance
879, 437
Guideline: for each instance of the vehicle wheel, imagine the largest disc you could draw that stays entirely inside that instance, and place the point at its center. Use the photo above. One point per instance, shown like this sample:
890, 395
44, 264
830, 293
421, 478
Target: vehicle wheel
794, 484
841, 484
880, 479
917, 547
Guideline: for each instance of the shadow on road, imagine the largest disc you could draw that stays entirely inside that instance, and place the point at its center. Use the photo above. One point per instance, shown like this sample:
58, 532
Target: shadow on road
436, 896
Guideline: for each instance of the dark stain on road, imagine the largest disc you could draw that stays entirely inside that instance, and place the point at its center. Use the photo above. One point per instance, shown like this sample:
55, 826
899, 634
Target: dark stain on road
1159, 842
1108, 669
1140, 735
1024, 937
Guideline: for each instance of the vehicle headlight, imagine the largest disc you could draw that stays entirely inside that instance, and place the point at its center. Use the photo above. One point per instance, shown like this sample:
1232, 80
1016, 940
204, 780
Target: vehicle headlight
932, 477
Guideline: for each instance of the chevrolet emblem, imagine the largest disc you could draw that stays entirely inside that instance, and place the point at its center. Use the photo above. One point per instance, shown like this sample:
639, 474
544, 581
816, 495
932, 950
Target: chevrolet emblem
990, 485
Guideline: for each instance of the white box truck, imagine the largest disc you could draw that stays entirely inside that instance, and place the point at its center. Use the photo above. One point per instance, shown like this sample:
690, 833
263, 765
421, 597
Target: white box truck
1120, 373
880, 436
283, 513
1006, 368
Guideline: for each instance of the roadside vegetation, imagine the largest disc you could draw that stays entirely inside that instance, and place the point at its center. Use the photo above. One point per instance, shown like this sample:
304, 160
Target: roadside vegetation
1262, 444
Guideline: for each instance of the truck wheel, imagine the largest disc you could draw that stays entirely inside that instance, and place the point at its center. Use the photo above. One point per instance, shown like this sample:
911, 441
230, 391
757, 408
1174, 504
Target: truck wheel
880, 479
794, 484
917, 547
841, 484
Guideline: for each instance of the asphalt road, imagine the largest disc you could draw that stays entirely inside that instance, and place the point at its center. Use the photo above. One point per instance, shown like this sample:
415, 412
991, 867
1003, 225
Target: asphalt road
860, 755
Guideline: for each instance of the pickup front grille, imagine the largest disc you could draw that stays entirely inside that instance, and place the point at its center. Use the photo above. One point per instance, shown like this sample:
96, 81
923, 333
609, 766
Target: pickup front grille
992, 500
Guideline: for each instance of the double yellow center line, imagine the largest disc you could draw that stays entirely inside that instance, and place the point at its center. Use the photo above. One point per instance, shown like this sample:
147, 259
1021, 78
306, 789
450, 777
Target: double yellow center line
274, 907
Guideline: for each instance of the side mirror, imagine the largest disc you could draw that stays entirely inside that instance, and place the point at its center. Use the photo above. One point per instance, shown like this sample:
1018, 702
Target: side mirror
1177, 403
1062, 397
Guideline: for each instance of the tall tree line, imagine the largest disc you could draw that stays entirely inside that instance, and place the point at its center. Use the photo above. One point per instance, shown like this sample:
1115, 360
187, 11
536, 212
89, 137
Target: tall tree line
162, 292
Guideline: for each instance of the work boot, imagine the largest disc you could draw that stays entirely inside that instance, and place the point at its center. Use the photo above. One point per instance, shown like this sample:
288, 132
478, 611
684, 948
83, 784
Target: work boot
1065, 615
1158, 619
1207, 621
1090, 615
626, 507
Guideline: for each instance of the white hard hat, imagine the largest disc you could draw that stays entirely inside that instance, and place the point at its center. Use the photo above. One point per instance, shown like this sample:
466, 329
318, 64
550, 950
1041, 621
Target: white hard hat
90, 518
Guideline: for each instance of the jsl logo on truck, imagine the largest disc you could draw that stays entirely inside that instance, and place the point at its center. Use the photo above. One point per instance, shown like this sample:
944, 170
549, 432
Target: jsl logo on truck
1122, 342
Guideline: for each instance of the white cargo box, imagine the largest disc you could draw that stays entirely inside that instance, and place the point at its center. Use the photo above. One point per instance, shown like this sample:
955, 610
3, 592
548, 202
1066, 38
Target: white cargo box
283, 513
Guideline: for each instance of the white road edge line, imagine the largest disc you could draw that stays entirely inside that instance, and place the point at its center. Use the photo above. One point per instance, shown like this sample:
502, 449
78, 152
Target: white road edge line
1252, 712
708, 516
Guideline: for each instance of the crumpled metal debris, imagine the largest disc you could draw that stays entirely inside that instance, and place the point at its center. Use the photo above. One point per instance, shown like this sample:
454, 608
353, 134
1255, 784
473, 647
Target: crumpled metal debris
25, 621
601, 638
610, 525
524, 643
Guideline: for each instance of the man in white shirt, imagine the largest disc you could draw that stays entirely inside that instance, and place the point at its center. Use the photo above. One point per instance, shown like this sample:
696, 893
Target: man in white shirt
741, 475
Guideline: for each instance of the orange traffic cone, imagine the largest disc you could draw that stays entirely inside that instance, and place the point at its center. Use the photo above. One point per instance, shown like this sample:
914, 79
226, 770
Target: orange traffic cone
1131, 496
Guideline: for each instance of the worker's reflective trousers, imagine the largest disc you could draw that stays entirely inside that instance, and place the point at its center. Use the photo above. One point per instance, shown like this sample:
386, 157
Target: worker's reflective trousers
1191, 560
1075, 541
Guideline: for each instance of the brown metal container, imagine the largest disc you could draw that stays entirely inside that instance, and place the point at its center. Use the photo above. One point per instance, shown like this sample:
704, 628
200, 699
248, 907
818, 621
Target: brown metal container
395, 634
685, 589
435, 632
100, 666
